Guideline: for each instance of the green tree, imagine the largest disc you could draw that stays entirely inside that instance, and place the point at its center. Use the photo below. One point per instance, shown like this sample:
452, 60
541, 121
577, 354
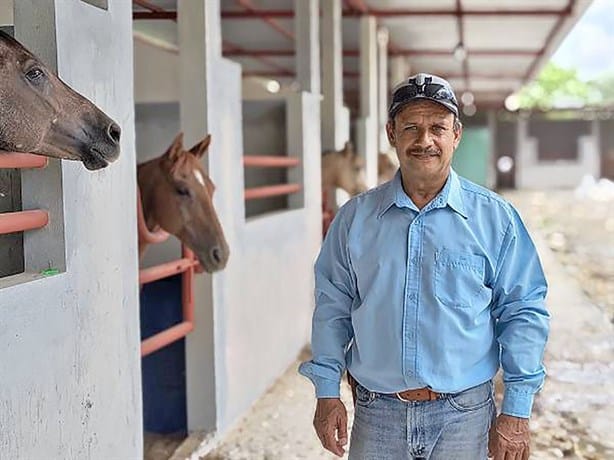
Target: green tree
558, 87
605, 85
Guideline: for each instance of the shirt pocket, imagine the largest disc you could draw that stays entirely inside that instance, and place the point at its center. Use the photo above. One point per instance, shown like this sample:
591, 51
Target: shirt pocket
459, 280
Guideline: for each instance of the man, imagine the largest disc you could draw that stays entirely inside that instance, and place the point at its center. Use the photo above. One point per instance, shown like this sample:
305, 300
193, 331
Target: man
425, 286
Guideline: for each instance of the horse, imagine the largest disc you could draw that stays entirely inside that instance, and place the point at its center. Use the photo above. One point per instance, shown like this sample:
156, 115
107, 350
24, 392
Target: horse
343, 169
40, 114
176, 196
386, 168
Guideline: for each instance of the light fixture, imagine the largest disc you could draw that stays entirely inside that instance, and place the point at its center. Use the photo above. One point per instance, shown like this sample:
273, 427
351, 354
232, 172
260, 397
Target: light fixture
460, 53
469, 110
512, 103
467, 98
273, 86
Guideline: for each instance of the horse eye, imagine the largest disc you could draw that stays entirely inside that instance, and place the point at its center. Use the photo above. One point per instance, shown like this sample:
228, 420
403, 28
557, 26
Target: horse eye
35, 74
183, 191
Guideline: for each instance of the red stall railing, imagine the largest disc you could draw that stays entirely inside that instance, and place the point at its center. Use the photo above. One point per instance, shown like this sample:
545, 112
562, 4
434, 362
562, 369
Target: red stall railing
21, 221
267, 191
186, 266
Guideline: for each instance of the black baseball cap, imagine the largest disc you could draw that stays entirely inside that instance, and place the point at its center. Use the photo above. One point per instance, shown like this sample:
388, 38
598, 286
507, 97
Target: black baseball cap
423, 86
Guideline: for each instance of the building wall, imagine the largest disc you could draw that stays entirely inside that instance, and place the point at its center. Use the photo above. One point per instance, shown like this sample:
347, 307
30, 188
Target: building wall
558, 171
69, 344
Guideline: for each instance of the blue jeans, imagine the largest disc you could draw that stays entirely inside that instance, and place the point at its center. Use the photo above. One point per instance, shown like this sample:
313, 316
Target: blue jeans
453, 427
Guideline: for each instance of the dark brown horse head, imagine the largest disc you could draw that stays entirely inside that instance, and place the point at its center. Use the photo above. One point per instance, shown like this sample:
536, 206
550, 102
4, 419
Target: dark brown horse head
177, 195
41, 115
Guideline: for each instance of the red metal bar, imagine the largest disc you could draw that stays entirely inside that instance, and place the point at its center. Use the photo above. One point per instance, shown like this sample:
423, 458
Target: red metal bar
178, 331
154, 10
11, 222
262, 161
22, 160
247, 5
270, 191
358, 6
287, 14
174, 267
288, 74
166, 337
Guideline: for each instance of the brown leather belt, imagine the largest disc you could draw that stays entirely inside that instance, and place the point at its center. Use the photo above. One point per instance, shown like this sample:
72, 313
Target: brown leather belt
419, 394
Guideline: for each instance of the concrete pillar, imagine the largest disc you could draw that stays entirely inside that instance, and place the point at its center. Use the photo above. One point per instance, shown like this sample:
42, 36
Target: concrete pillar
307, 33
199, 29
523, 155
367, 134
399, 70
86, 404
332, 77
596, 135
382, 88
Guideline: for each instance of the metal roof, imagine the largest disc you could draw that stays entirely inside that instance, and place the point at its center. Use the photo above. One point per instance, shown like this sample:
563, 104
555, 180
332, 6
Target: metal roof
506, 42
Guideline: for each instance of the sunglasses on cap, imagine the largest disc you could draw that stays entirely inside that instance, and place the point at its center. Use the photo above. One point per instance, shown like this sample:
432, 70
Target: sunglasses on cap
412, 90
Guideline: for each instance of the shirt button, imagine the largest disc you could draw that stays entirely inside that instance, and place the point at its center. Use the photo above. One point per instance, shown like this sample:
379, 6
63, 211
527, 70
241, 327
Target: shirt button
412, 296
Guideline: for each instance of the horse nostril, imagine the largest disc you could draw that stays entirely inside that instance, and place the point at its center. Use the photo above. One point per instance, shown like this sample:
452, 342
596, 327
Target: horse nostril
216, 254
114, 132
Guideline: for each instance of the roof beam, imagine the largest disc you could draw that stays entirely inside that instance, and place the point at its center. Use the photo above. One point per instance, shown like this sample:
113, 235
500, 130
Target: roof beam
358, 10
247, 5
397, 52
289, 14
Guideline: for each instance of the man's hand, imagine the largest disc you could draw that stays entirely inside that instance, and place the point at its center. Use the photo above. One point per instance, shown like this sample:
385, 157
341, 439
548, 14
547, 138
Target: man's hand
331, 424
509, 438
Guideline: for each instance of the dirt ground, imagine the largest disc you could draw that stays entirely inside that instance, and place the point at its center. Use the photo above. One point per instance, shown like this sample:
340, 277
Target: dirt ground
573, 415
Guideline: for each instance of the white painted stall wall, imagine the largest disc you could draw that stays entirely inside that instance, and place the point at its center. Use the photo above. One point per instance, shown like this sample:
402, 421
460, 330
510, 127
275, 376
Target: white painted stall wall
69, 344
532, 173
6, 12
156, 74
263, 299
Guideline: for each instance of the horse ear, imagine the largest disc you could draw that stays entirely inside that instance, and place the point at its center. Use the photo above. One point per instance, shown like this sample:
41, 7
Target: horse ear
348, 148
174, 151
201, 148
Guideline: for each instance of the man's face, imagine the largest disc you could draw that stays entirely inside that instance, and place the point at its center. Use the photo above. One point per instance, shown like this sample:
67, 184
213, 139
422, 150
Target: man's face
425, 139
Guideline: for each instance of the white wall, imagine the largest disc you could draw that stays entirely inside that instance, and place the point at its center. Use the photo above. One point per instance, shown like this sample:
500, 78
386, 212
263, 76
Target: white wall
6, 12
263, 299
156, 74
69, 344
538, 174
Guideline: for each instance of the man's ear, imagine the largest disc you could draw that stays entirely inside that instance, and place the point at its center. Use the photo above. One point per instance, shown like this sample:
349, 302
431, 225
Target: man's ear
390, 133
458, 134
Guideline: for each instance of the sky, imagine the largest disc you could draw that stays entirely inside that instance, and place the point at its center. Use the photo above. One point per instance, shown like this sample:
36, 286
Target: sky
589, 47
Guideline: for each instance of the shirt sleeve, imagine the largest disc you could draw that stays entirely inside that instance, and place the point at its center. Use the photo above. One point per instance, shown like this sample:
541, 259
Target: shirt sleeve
335, 291
522, 321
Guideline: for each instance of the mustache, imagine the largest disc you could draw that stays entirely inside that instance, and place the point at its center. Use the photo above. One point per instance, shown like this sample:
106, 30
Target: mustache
426, 151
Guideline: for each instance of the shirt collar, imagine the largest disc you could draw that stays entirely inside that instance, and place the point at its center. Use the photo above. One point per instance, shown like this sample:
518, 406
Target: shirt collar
450, 195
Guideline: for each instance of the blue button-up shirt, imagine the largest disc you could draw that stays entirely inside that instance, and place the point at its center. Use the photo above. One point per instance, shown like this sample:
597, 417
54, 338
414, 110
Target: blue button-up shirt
439, 296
